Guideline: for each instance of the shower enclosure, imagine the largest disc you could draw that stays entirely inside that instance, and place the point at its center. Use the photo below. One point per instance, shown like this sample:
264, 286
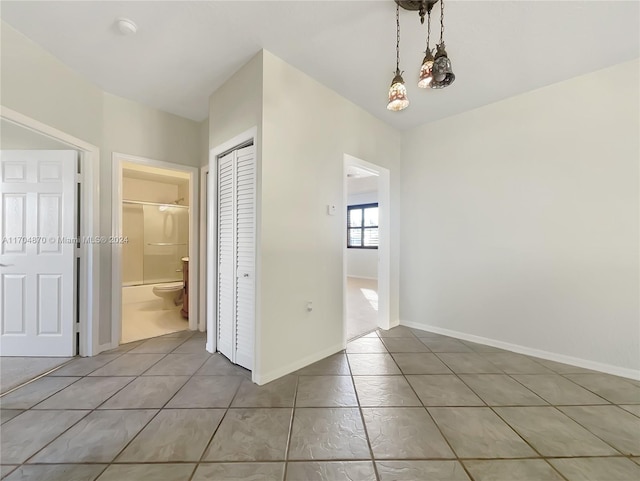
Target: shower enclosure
157, 239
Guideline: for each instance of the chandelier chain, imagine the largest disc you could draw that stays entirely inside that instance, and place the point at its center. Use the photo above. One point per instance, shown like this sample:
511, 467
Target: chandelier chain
428, 28
397, 37
441, 20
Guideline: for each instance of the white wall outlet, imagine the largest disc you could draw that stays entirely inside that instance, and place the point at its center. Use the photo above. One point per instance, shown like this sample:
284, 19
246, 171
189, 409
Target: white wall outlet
331, 209
310, 306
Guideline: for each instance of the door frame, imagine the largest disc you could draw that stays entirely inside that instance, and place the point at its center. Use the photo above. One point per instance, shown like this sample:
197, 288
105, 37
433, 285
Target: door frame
116, 228
204, 189
250, 135
384, 241
89, 253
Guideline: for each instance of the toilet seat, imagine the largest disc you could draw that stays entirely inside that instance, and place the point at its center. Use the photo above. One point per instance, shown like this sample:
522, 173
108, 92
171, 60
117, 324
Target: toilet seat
169, 287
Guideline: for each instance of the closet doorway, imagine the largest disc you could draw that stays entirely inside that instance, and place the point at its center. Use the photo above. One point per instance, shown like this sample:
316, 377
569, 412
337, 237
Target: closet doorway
232, 252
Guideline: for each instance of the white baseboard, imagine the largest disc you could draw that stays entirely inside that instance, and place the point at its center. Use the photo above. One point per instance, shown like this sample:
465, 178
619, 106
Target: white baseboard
550, 356
294, 366
363, 277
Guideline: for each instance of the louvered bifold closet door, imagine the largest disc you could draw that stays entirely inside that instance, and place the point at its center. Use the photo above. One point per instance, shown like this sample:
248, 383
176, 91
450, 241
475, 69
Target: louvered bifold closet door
245, 231
226, 255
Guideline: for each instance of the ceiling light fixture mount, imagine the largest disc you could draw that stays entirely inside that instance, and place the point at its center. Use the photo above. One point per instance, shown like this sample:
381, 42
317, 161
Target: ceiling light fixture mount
420, 6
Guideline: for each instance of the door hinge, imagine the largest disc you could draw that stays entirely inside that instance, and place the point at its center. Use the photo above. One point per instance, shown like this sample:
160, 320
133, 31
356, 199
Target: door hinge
79, 178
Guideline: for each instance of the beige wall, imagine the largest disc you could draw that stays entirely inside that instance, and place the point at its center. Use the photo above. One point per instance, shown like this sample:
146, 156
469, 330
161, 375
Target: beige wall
520, 220
307, 130
38, 85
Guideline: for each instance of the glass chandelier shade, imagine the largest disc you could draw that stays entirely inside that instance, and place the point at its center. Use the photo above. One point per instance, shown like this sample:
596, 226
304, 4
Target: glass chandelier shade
397, 94
443, 75
426, 71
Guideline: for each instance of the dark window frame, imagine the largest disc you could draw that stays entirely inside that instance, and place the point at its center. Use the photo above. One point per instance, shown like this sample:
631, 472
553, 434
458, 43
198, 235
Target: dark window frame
362, 228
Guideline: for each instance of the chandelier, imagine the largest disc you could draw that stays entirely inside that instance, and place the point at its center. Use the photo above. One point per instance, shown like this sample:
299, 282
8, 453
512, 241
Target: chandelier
435, 71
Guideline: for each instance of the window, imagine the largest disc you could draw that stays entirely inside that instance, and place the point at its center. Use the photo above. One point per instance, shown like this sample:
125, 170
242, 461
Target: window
362, 226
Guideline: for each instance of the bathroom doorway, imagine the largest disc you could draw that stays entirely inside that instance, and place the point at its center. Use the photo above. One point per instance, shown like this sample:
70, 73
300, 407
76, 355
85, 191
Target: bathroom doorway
155, 274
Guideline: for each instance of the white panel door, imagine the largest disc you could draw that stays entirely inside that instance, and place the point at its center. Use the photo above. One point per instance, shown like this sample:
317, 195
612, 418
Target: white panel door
245, 197
36, 264
236, 255
226, 255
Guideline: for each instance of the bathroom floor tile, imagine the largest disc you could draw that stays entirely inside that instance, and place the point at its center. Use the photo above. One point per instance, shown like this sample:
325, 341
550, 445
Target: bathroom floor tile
390, 428
328, 433
251, 435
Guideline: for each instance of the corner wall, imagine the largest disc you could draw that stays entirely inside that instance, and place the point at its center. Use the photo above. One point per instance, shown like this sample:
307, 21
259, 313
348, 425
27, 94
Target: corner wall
307, 129
521, 219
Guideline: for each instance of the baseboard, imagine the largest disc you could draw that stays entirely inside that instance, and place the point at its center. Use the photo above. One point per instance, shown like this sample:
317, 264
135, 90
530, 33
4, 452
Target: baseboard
107, 346
363, 277
294, 366
550, 356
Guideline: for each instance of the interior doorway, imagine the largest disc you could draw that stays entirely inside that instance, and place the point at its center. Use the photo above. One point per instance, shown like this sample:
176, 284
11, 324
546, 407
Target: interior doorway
366, 255
155, 261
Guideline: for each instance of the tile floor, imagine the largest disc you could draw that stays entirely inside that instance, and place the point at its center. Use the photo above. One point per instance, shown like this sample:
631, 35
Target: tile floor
401, 405
142, 320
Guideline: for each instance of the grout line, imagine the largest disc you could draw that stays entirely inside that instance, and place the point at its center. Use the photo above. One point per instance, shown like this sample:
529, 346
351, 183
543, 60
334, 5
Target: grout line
39, 376
364, 424
290, 435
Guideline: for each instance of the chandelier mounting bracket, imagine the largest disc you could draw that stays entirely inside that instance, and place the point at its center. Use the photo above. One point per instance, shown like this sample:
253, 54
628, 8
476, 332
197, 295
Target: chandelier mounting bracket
420, 6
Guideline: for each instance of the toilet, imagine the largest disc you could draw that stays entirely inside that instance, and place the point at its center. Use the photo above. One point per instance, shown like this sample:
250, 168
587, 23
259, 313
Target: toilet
171, 294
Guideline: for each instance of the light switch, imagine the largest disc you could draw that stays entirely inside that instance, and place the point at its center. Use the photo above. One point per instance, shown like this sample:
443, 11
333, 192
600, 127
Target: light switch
331, 209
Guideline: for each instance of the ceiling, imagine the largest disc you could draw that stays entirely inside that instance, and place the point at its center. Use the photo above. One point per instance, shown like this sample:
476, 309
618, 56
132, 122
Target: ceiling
131, 170
184, 50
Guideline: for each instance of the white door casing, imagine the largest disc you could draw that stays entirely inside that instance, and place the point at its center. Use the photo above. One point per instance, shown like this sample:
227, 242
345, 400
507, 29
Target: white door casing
37, 253
236, 221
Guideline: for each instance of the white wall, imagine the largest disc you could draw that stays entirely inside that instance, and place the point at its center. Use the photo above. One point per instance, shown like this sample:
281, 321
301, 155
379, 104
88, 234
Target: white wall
36, 84
306, 132
520, 221
362, 262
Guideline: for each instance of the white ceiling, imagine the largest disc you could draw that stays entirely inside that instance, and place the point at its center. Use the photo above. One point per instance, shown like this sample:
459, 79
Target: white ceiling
185, 50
